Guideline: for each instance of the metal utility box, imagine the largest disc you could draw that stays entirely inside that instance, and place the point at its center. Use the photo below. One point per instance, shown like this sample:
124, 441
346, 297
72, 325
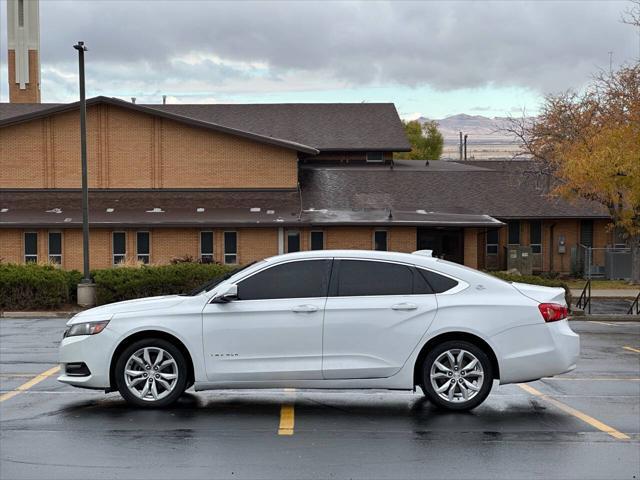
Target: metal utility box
520, 258
617, 264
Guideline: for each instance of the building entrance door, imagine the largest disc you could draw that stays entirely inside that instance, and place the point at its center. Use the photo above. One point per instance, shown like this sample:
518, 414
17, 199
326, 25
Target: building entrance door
446, 243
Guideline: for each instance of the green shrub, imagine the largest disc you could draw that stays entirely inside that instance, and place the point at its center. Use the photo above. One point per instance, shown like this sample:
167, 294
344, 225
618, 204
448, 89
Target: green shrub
33, 286
535, 280
125, 283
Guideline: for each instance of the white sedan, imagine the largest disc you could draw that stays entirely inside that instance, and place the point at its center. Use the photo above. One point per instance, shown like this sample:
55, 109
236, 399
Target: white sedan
330, 320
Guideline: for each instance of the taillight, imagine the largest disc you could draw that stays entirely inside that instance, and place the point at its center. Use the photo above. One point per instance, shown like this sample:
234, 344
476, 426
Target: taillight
552, 312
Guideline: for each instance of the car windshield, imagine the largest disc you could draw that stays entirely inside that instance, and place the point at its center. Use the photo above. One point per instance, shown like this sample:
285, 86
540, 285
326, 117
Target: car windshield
206, 287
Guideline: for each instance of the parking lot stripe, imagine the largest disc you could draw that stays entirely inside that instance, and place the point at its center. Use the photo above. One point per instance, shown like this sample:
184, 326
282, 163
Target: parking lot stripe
576, 413
631, 349
594, 379
287, 420
603, 323
27, 385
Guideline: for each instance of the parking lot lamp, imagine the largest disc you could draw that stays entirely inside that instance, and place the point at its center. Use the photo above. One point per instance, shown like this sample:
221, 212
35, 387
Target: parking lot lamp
86, 290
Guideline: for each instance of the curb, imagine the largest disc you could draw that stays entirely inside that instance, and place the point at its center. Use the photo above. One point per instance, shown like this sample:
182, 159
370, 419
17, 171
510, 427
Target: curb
35, 315
603, 317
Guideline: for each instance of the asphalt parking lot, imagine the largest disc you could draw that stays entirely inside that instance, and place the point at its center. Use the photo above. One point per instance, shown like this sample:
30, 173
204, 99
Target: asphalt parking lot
585, 424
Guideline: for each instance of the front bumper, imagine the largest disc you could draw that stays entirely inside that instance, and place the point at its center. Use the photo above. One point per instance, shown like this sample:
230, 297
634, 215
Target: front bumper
535, 351
93, 350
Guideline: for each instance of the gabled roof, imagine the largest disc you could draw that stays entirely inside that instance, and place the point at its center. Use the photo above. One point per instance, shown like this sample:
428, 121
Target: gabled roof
500, 189
323, 126
15, 116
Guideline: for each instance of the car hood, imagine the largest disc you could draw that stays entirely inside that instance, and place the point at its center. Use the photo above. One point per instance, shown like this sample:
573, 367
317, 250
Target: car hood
540, 293
105, 312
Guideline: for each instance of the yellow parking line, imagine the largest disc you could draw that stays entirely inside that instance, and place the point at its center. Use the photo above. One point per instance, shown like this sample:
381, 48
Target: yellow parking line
27, 385
287, 420
595, 379
576, 413
631, 349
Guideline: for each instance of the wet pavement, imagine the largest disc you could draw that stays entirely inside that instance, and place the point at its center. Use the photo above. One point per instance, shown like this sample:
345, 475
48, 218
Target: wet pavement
583, 425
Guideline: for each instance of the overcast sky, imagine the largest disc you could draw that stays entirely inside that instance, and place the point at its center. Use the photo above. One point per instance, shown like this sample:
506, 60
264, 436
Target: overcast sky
429, 58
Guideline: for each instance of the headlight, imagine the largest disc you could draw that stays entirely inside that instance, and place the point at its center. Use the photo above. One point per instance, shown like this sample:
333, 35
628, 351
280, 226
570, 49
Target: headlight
88, 328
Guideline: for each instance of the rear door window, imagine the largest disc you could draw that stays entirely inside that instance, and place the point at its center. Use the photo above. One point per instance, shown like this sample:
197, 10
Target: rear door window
366, 278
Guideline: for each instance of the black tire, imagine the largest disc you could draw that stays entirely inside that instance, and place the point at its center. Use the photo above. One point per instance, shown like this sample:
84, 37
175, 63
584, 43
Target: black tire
458, 404
180, 382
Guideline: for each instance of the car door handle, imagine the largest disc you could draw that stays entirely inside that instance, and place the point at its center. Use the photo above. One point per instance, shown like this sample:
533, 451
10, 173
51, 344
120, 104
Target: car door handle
404, 306
305, 309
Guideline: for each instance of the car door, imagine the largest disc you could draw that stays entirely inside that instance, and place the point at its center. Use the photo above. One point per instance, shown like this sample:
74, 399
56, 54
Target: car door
375, 315
273, 331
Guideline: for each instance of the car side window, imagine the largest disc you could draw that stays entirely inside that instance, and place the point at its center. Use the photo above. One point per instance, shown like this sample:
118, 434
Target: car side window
363, 277
438, 283
303, 279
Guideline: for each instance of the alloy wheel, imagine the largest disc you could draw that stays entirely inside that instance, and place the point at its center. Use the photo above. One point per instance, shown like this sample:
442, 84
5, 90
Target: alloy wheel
456, 376
151, 373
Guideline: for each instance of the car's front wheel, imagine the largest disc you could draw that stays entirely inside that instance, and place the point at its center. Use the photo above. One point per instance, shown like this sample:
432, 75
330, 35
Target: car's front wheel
457, 375
151, 373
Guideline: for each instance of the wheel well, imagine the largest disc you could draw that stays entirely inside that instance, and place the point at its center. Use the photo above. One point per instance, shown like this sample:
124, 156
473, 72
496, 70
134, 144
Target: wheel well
467, 337
150, 334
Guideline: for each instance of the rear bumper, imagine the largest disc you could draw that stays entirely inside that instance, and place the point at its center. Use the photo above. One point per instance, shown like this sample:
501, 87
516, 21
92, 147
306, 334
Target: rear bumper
535, 351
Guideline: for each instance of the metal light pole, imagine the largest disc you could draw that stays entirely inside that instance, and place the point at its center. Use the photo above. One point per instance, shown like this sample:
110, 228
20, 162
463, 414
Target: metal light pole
85, 289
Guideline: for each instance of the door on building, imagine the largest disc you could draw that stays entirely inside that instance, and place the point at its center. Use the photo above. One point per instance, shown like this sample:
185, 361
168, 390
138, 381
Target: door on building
274, 329
446, 243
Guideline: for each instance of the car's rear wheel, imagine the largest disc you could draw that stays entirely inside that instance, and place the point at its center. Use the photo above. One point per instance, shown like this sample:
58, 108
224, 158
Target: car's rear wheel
151, 373
457, 375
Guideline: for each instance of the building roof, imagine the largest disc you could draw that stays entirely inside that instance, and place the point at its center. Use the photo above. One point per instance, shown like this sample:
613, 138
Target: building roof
412, 194
321, 126
202, 209
14, 117
151, 208
443, 187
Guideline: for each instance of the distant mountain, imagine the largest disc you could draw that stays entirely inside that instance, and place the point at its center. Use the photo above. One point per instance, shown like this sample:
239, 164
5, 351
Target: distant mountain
479, 128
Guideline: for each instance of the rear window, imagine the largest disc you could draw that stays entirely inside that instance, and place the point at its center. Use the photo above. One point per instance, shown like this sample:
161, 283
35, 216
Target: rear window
439, 283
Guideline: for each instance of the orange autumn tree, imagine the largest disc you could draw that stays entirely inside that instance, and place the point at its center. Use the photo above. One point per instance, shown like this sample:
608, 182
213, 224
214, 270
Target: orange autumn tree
589, 143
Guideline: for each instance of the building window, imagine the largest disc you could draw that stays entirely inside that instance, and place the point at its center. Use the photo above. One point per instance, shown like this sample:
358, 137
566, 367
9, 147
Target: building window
514, 233
30, 247
119, 247
230, 247
293, 241
21, 13
380, 240
375, 157
535, 236
206, 247
492, 242
142, 247
317, 240
619, 238
55, 248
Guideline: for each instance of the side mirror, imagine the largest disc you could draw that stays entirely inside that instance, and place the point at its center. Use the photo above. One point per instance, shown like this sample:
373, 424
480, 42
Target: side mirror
228, 294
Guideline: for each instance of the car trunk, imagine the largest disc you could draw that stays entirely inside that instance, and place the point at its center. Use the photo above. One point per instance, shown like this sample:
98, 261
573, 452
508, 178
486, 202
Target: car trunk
541, 294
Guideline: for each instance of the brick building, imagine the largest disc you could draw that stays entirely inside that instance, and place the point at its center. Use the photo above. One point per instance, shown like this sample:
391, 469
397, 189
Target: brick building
235, 183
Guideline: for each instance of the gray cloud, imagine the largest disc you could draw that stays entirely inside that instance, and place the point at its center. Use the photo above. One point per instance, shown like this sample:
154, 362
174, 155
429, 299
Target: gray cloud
149, 46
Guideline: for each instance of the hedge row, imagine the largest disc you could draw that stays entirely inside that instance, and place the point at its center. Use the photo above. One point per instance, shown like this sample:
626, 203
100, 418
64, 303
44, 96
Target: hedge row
535, 280
33, 287
125, 283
